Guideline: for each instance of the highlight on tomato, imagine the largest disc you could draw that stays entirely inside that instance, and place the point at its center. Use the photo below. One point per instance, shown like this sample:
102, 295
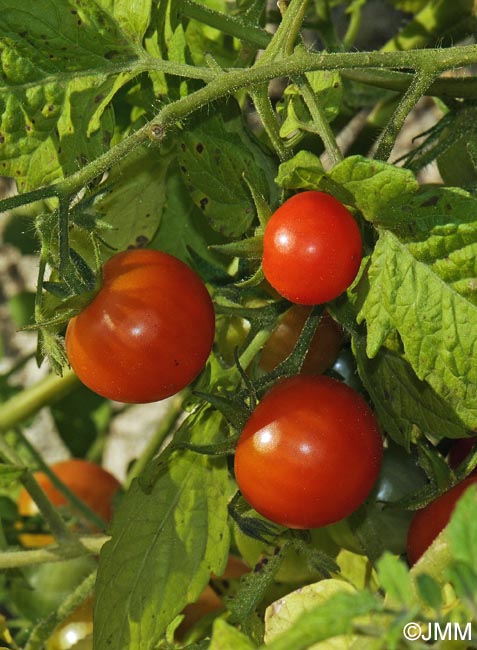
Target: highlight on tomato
310, 453
324, 346
148, 332
89, 482
428, 522
312, 248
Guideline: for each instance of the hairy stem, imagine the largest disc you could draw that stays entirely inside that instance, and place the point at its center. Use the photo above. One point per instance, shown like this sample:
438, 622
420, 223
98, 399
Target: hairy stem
54, 553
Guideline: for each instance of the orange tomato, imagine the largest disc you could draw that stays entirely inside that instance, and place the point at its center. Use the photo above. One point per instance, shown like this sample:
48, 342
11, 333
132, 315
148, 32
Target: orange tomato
89, 482
323, 349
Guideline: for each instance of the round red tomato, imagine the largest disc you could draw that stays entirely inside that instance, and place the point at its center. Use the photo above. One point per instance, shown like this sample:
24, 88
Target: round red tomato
309, 454
147, 333
311, 248
428, 522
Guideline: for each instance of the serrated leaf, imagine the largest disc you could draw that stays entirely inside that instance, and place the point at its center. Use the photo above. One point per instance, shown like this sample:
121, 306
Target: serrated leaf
436, 325
401, 400
372, 183
183, 228
214, 153
55, 87
396, 581
303, 171
169, 533
132, 17
137, 184
320, 612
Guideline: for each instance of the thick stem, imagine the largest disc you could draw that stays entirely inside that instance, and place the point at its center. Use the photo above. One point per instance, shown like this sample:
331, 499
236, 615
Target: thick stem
26, 403
267, 115
53, 553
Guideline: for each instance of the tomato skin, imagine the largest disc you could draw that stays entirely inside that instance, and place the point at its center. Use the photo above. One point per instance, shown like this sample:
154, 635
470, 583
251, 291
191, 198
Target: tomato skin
459, 451
428, 522
312, 248
88, 481
324, 346
309, 454
147, 333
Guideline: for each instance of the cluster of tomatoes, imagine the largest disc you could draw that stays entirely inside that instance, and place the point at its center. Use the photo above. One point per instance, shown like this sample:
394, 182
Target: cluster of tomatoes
312, 450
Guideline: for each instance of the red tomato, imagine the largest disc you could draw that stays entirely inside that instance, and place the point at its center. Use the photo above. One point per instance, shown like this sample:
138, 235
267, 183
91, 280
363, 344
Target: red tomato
311, 248
428, 522
310, 453
147, 333
324, 346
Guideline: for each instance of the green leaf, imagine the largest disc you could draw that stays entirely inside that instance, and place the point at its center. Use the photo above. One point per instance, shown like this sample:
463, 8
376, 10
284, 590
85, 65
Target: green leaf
331, 617
56, 84
9, 474
81, 417
429, 591
303, 171
436, 325
226, 637
137, 184
401, 400
132, 17
214, 154
396, 581
462, 529
183, 227
169, 534
373, 184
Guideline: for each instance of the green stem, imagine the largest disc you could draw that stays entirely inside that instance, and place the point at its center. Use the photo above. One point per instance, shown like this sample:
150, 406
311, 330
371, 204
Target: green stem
325, 26
166, 427
285, 37
320, 123
26, 403
413, 94
267, 115
79, 505
234, 79
232, 25
464, 87
54, 553
353, 26
43, 630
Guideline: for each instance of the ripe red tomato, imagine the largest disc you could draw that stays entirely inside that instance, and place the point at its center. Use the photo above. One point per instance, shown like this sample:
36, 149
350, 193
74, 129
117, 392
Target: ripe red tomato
428, 522
147, 333
324, 346
88, 481
311, 248
310, 453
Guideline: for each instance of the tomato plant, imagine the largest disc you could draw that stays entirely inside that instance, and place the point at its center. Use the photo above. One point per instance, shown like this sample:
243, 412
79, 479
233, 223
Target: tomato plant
459, 450
428, 522
311, 248
89, 482
296, 459
147, 333
323, 349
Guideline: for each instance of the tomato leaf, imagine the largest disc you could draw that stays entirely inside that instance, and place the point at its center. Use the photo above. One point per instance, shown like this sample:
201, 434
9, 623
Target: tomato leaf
57, 84
166, 541
224, 637
435, 323
462, 529
214, 153
395, 579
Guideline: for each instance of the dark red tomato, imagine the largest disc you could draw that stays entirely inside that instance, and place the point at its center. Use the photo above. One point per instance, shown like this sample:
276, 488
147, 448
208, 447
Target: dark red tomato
147, 333
428, 522
324, 346
460, 449
311, 248
310, 453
